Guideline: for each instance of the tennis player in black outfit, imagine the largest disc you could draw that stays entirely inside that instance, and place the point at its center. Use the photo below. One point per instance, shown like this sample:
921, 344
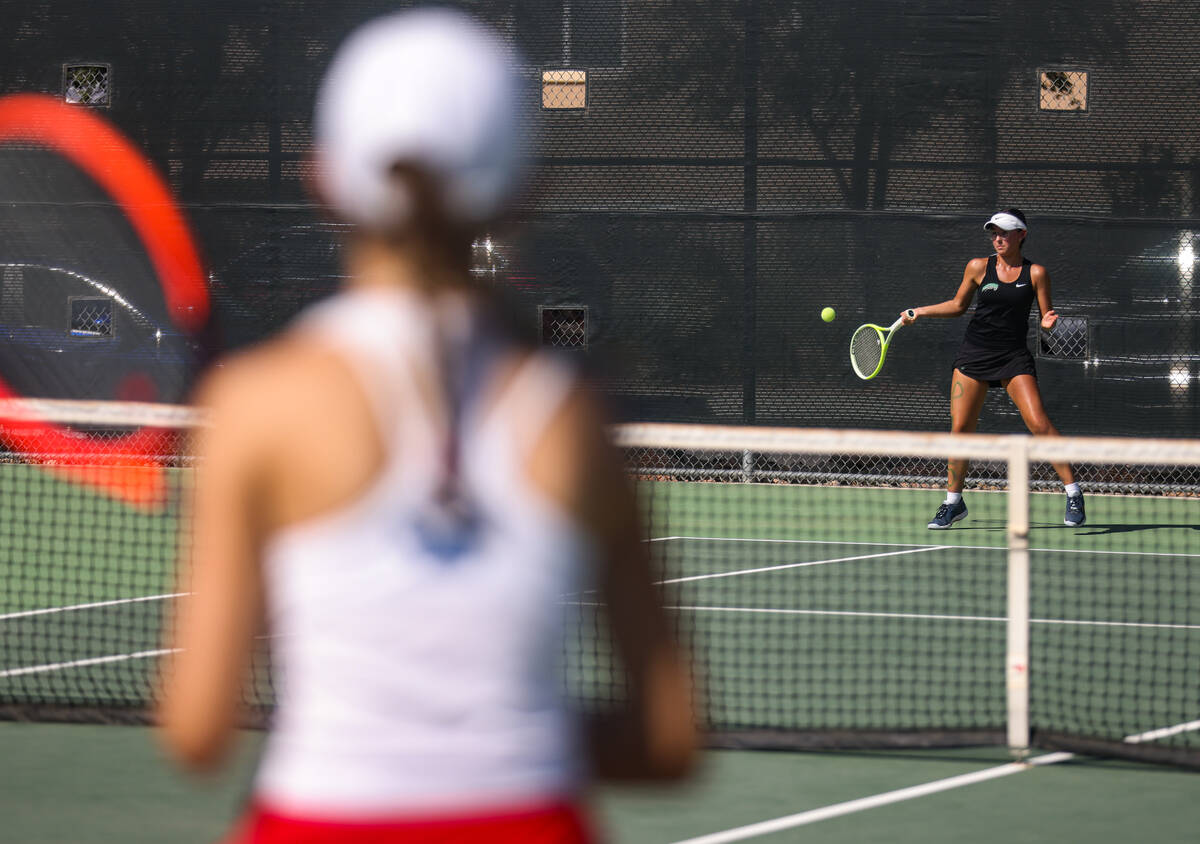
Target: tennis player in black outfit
994, 352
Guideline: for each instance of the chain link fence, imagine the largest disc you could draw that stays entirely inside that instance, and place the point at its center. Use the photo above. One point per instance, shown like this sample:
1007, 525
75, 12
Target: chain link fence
704, 184
855, 470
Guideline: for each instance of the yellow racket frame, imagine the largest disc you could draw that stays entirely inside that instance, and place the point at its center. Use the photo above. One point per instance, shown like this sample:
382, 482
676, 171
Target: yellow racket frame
884, 340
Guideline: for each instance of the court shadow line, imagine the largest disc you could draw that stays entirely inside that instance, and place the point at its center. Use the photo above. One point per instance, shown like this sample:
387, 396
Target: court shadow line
1105, 529
1085, 530
981, 524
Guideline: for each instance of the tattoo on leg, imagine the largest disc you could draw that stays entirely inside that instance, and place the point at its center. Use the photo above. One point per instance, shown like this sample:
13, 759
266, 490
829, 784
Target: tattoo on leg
958, 392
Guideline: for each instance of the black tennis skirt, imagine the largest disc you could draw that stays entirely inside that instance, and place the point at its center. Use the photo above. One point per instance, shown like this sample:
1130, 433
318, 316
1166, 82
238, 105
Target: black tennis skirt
994, 365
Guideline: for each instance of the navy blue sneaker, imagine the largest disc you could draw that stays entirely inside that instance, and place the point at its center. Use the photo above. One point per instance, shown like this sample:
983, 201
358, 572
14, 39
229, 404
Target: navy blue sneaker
1075, 516
948, 514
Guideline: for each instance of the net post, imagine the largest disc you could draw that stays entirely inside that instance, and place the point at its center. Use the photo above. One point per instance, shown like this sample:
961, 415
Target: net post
1017, 657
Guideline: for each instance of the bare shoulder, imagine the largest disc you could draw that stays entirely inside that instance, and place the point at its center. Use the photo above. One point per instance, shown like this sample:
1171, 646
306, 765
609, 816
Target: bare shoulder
258, 379
254, 393
1038, 273
975, 269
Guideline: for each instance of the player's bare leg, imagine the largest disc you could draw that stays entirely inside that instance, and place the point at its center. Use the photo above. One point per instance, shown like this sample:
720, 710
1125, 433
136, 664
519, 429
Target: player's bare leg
966, 402
1023, 390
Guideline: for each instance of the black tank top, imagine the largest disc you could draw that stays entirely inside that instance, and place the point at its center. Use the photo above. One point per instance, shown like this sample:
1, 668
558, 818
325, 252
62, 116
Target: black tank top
1001, 318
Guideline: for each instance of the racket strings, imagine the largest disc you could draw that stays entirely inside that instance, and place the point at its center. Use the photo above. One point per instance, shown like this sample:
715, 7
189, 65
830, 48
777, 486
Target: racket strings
866, 349
85, 311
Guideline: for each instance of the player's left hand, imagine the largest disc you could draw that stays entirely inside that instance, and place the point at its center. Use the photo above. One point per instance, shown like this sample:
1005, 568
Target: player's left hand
1048, 319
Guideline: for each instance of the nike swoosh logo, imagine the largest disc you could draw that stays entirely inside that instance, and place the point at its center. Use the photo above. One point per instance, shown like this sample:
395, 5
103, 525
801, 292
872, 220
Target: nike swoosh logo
1022, 285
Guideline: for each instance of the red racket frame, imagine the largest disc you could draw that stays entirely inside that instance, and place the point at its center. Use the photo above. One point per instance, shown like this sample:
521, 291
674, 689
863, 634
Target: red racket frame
129, 466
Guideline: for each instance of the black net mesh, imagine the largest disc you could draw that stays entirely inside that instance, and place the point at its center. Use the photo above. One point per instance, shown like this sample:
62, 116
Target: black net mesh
82, 311
820, 610
710, 178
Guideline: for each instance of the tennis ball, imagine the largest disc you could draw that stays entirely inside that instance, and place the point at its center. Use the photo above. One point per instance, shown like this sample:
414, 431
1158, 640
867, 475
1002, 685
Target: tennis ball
828, 314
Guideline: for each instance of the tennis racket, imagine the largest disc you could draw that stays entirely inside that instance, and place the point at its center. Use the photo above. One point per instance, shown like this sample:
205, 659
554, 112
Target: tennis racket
102, 292
869, 344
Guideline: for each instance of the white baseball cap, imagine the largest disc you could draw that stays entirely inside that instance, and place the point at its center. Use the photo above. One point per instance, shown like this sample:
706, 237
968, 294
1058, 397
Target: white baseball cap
428, 87
1004, 222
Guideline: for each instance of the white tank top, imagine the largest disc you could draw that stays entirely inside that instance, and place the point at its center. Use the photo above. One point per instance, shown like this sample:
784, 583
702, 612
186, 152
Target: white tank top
412, 676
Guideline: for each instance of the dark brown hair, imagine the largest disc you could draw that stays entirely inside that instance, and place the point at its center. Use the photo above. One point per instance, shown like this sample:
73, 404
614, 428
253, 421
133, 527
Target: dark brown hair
1020, 215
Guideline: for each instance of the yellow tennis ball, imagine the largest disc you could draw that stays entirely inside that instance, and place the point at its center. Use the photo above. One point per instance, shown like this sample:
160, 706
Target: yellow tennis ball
828, 314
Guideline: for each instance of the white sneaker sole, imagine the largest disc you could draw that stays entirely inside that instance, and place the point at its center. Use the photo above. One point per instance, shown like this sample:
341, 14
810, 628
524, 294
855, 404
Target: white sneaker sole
958, 518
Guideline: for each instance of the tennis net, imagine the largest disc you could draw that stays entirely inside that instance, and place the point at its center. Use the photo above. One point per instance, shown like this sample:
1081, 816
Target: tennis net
821, 611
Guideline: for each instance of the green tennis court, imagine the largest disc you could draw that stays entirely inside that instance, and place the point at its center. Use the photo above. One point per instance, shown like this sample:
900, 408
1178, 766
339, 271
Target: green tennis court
87, 580
814, 611
80, 784
841, 620
821, 615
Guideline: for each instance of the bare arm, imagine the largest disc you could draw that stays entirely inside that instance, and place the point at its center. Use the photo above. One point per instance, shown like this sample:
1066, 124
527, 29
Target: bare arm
216, 622
1040, 277
972, 275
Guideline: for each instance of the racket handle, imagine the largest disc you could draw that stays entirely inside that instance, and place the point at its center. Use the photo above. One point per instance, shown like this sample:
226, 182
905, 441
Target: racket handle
910, 313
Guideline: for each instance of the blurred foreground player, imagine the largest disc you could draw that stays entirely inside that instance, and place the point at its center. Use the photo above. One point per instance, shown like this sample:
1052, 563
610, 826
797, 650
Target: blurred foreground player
402, 494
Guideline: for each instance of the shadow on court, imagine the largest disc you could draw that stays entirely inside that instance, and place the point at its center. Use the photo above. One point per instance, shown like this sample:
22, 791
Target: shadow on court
1103, 530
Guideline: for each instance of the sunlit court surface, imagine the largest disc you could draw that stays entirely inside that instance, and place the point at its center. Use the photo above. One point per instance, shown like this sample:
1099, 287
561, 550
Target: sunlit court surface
880, 648
79, 783
729, 207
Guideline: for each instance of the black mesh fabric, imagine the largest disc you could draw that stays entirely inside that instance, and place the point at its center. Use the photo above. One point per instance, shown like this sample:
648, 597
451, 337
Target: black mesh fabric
731, 171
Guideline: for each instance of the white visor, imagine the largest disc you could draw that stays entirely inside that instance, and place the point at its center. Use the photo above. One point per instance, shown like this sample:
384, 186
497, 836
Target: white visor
427, 87
1004, 222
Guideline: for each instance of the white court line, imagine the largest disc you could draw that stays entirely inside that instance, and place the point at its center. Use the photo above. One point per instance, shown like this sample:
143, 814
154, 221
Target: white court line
80, 663
1115, 553
843, 613
783, 566
934, 617
911, 793
929, 547
874, 801
1148, 736
1146, 624
909, 549
885, 798
849, 807
94, 605
804, 541
992, 619
1165, 732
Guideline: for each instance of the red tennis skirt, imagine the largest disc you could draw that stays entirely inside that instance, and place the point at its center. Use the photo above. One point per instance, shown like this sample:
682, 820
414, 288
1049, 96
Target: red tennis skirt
559, 823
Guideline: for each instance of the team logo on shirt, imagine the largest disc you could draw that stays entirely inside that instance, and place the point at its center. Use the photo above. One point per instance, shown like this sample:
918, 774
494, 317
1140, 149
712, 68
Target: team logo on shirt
449, 526
988, 288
